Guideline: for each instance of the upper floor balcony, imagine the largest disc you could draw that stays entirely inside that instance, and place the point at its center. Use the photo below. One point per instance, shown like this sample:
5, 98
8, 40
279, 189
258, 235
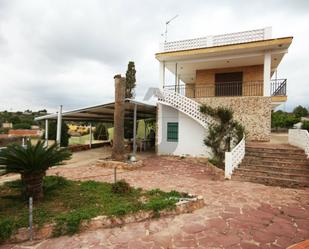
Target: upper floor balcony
230, 89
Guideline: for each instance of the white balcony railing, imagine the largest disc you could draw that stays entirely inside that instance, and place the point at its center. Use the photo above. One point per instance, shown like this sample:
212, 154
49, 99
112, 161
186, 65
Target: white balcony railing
217, 40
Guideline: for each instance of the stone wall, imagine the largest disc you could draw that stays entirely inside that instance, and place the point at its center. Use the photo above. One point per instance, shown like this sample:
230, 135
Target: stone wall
253, 112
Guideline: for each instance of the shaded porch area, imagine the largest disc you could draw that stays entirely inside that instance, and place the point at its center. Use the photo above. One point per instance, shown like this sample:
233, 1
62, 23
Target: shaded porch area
134, 111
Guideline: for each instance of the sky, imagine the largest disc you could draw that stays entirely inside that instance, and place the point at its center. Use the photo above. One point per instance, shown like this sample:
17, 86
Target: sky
67, 52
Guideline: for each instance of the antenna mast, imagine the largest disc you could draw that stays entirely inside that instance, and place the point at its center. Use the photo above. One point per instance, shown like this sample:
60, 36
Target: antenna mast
167, 23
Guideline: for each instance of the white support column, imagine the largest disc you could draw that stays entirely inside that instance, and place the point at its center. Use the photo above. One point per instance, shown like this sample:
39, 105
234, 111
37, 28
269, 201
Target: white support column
267, 72
134, 130
162, 74
59, 121
176, 74
90, 138
46, 132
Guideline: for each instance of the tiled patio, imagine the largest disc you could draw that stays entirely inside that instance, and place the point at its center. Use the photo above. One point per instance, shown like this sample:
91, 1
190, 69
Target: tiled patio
236, 215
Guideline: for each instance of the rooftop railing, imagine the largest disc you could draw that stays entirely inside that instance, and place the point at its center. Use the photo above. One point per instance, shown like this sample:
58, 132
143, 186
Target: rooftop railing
217, 40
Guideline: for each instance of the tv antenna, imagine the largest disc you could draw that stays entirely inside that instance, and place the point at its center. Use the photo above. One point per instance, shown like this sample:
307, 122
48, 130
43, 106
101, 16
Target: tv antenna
166, 24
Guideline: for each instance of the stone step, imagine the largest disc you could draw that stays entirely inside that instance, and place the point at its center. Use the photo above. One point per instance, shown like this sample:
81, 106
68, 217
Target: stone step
275, 150
256, 161
271, 181
266, 167
277, 154
278, 174
277, 159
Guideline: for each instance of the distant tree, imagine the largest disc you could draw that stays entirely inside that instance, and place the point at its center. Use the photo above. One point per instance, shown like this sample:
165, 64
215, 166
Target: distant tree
280, 119
130, 81
15, 119
305, 125
22, 126
300, 111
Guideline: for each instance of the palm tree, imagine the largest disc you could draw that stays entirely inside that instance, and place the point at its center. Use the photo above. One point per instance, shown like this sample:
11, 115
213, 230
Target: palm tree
31, 162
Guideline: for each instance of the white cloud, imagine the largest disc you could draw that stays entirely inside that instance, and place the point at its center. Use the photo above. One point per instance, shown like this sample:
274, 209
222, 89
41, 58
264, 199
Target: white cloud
66, 52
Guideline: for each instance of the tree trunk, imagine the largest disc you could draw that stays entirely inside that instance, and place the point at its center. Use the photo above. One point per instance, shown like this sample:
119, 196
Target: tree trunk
118, 152
33, 184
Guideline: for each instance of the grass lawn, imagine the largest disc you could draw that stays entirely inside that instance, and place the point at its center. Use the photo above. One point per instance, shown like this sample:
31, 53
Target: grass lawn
68, 202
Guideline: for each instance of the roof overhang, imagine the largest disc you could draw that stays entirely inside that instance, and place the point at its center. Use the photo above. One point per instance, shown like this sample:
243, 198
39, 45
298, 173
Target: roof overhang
105, 112
226, 56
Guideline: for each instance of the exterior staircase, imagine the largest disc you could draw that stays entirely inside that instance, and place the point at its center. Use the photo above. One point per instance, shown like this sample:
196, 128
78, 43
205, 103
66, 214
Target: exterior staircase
276, 165
182, 103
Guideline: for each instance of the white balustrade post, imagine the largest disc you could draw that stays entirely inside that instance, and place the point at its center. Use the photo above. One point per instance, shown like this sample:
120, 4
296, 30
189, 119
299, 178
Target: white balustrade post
162, 74
59, 120
267, 71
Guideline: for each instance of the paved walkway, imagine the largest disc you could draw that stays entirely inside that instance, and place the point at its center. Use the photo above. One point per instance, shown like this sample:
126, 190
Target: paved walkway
236, 215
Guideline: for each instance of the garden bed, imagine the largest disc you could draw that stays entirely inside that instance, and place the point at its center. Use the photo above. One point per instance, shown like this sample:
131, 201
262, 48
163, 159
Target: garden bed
110, 163
71, 206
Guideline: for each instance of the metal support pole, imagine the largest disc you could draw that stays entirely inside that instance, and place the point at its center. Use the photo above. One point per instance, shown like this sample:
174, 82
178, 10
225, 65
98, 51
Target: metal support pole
145, 129
115, 174
59, 120
30, 218
134, 130
46, 132
90, 139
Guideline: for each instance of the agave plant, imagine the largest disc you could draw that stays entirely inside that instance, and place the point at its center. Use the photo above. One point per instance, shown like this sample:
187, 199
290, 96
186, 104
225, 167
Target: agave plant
31, 162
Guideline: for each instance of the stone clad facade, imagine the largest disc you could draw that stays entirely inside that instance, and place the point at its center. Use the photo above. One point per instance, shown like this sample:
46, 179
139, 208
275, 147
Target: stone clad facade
253, 112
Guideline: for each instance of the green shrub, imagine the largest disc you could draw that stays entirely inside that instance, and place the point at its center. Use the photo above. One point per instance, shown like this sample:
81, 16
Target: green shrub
52, 133
158, 204
280, 119
100, 132
69, 223
121, 187
223, 133
7, 226
305, 125
300, 111
22, 126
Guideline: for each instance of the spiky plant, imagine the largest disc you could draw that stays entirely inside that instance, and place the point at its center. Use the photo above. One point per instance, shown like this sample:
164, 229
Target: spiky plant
31, 162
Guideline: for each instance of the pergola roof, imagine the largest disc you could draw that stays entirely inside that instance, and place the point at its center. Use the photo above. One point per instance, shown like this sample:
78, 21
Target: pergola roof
105, 112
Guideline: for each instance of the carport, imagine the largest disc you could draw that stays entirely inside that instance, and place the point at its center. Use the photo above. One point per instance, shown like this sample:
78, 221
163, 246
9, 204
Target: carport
133, 110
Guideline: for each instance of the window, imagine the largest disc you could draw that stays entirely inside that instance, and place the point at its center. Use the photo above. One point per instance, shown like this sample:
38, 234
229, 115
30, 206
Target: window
172, 132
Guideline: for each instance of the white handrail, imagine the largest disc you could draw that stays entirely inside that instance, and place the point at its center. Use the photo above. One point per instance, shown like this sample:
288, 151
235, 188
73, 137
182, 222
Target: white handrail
234, 158
299, 138
184, 104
